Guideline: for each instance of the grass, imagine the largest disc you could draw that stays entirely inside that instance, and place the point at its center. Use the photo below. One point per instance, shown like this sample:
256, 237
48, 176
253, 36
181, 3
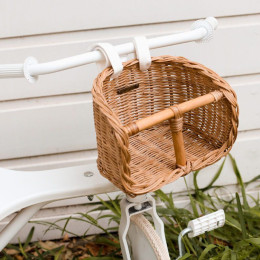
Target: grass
238, 239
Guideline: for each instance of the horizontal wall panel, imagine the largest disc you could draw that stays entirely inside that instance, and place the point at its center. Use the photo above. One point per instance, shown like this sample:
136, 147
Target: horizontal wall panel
47, 129
64, 124
228, 53
223, 54
19, 18
52, 161
248, 96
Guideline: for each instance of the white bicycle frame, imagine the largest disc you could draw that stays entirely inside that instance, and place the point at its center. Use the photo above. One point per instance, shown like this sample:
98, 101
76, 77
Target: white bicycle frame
35, 189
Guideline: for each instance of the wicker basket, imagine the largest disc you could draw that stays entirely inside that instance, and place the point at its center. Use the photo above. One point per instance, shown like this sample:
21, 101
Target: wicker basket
138, 161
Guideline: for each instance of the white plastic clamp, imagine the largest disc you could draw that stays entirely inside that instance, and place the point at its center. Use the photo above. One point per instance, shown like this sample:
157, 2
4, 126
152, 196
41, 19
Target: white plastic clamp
112, 58
142, 52
209, 24
29, 61
207, 223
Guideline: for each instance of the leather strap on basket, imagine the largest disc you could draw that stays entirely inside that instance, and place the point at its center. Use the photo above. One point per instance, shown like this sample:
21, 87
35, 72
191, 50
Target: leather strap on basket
112, 58
142, 52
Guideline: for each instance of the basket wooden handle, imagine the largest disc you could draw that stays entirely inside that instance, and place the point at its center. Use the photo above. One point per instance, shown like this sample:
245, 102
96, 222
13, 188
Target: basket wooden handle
178, 142
173, 114
168, 113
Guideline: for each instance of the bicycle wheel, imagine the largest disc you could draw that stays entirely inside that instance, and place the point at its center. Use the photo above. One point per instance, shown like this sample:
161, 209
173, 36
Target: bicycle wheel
144, 242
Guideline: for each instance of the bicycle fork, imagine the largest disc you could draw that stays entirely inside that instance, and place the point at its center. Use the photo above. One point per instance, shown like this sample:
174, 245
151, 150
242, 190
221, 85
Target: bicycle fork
132, 206
146, 203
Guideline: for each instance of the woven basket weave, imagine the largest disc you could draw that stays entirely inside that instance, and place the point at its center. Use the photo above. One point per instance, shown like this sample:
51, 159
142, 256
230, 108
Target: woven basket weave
146, 161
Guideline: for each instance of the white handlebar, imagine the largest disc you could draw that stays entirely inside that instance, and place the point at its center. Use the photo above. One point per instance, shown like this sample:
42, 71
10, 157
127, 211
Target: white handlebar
201, 31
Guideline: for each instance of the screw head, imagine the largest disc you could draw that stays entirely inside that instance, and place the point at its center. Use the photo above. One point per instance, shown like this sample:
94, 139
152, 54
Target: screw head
88, 174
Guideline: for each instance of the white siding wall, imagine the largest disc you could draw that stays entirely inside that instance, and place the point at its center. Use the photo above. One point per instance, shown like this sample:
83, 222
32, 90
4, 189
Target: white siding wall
50, 124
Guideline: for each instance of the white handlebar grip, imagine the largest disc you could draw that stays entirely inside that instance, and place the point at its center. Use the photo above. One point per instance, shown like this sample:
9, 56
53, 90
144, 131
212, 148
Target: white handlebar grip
11, 71
207, 223
19, 70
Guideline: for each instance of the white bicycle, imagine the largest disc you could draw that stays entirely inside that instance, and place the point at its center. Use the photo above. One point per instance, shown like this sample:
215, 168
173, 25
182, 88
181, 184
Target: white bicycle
138, 238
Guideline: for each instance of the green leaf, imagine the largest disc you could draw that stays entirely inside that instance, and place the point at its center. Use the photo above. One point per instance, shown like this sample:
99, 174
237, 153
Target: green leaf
192, 201
29, 238
57, 255
195, 182
112, 207
241, 217
255, 241
240, 181
22, 250
65, 226
185, 256
216, 176
233, 256
253, 180
206, 251
226, 254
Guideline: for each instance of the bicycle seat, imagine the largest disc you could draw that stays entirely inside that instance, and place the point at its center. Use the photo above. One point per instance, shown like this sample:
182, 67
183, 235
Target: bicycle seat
20, 189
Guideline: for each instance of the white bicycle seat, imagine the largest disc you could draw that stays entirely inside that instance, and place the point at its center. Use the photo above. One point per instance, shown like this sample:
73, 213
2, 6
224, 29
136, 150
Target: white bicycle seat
20, 189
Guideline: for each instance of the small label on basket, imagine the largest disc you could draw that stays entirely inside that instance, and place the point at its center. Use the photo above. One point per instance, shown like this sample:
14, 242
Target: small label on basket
127, 88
